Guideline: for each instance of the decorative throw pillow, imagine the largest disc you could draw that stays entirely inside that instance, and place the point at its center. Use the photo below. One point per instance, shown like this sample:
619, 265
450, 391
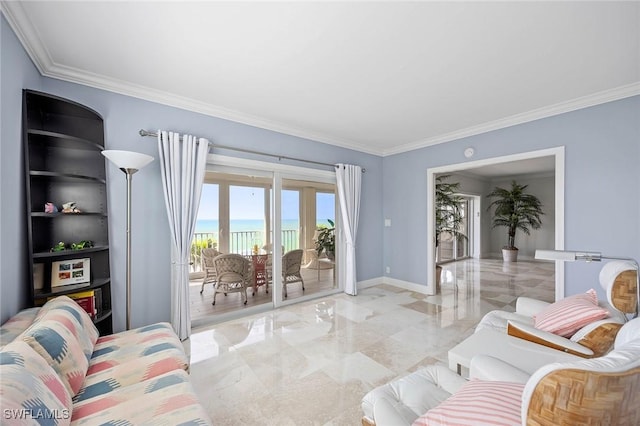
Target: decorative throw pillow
478, 402
32, 392
69, 305
569, 315
61, 349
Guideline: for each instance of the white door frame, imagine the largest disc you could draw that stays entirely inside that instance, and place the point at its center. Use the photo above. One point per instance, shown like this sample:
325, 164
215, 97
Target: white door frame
557, 152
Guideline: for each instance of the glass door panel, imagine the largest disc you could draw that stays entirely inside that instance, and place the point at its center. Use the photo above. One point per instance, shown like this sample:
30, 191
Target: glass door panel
307, 207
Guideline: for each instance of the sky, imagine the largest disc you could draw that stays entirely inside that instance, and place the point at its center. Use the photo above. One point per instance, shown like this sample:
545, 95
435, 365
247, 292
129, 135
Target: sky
247, 203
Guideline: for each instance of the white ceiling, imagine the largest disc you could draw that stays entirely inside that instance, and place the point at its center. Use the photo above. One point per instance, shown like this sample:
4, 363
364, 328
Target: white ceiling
381, 77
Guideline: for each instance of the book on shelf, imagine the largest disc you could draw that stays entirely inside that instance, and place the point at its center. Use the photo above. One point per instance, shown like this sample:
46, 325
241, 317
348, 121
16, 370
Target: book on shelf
97, 297
86, 300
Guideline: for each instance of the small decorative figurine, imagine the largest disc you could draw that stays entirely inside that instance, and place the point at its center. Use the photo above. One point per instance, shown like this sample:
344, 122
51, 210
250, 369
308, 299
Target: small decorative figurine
81, 245
255, 249
70, 207
50, 208
59, 247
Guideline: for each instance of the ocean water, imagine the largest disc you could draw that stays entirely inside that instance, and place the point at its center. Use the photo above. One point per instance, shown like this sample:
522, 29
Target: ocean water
211, 225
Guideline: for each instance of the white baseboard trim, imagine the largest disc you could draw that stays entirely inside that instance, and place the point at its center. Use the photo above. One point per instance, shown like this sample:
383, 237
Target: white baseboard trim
370, 283
407, 285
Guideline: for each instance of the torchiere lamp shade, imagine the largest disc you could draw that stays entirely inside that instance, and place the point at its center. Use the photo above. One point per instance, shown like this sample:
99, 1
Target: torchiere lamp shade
127, 159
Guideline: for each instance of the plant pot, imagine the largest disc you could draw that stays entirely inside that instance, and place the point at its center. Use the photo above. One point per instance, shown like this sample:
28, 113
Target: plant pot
510, 255
438, 276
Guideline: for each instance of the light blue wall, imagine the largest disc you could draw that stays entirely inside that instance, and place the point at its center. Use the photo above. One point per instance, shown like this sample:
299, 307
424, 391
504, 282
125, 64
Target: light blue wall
16, 71
602, 181
123, 117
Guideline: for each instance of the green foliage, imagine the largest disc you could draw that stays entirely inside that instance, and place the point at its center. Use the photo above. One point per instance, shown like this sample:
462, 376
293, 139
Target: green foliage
448, 208
326, 240
515, 210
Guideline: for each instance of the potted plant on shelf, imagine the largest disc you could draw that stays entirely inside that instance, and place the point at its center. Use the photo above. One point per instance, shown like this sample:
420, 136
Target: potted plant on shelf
516, 210
325, 239
448, 215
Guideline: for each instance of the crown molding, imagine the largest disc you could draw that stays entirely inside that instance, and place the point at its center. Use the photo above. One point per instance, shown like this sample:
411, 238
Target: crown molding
605, 96
27, 34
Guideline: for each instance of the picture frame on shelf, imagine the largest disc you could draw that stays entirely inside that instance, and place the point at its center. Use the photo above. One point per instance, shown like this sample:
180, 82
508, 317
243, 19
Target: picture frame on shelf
71, 271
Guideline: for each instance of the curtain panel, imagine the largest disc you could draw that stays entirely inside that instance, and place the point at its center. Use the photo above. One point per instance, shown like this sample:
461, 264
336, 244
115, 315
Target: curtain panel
182, 166
349, 180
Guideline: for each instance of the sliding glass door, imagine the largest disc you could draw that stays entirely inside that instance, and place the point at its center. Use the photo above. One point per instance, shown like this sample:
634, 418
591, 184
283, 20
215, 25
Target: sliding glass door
272, 222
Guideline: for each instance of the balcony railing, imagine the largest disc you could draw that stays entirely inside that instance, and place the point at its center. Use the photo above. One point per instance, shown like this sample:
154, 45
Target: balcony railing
241, 242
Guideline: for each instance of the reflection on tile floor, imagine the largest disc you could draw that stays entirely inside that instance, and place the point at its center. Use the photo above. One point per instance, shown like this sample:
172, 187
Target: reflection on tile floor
311, 363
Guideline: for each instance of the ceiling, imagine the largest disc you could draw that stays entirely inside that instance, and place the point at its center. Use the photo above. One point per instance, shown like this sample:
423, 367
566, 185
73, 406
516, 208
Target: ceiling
378, 77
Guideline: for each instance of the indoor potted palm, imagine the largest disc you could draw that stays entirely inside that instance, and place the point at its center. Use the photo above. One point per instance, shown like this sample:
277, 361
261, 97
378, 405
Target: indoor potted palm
448, 215
516, 210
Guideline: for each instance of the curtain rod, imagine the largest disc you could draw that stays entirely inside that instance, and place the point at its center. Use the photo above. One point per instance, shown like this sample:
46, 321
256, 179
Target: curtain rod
143, 133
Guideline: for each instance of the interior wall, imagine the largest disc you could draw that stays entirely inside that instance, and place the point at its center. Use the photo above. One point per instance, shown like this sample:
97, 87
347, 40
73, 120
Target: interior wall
601, 158
16, 71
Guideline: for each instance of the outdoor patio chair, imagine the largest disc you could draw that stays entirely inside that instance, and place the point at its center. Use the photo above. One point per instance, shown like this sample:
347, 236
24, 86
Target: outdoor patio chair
232, 275
291, 264
207, 256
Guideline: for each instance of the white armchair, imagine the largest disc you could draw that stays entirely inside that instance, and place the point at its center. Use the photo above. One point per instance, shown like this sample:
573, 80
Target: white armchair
594, 339
596, 391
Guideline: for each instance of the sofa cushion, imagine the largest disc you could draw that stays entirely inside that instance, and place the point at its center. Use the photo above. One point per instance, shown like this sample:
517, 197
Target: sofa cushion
55, 341
67, 304
120, 348
478, 402
16, 325
413, 394
569, 315
100, 381
31, 389
168, 399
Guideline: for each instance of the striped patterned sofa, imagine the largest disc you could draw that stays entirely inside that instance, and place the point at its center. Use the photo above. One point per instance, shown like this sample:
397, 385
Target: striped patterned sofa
55, 369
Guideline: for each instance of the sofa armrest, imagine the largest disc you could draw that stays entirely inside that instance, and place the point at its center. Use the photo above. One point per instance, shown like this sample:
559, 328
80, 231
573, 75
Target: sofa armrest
485, 367
529, 307
547, 339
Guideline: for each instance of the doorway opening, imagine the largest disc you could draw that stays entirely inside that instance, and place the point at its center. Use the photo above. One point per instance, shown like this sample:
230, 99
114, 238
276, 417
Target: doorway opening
556, 155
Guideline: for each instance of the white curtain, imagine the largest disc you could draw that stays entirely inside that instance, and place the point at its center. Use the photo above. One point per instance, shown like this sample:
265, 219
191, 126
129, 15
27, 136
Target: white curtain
349, 178
182, 163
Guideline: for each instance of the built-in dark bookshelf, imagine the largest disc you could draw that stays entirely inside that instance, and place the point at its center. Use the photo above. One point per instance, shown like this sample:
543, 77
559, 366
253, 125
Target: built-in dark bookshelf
63, 141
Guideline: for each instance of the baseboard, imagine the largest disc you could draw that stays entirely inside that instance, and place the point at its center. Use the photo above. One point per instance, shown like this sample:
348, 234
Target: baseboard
370, 283
407, 285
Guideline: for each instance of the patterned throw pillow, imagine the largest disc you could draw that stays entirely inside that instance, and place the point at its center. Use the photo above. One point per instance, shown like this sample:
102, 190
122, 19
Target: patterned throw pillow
478, 402
32, 392
69, 305
569, 315
56, 343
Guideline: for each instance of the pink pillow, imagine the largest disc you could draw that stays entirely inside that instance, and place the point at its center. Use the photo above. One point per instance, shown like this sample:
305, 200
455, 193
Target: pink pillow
569, 315
478, 402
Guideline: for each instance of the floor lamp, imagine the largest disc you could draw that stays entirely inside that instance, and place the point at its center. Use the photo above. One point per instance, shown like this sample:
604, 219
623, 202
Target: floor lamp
129, 162
570, 256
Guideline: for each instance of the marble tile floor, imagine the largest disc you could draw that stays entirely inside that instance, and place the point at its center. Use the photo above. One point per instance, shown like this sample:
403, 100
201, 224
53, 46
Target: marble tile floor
311, 363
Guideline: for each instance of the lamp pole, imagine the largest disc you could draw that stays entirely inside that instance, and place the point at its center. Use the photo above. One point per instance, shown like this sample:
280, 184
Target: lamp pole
129, 162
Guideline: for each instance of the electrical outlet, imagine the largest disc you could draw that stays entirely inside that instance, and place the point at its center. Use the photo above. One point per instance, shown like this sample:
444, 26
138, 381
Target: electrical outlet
388, 270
